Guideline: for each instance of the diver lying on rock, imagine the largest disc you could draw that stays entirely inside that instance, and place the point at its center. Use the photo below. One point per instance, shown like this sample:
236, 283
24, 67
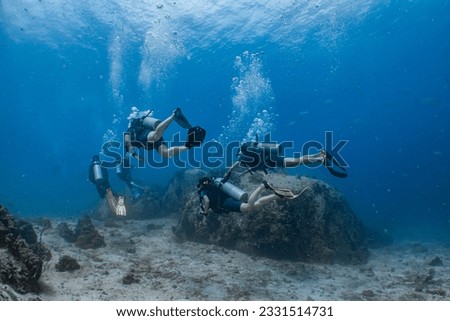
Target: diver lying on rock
220, 196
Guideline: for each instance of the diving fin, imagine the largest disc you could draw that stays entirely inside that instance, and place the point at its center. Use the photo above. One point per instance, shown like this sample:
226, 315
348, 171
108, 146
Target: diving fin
330, 161
121, 210
116, 206
283, 192
181, 119
195, 137
303, 190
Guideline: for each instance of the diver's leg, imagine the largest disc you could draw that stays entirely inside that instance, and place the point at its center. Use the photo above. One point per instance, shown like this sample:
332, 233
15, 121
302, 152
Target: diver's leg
258, 203
254, 196
166, 152
304, 160
156, 134
249, 206
265, 200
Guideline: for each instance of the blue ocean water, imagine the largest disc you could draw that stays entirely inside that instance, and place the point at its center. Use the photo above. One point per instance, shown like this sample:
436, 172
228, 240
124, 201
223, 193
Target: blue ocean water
375, 73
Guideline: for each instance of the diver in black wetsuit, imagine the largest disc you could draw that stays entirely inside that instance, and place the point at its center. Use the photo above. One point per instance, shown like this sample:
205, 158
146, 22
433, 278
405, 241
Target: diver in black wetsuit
222, 197
256, 156
98, 176
146, 131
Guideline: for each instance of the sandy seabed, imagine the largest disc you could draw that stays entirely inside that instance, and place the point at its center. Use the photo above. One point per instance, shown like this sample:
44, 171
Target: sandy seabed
143, 260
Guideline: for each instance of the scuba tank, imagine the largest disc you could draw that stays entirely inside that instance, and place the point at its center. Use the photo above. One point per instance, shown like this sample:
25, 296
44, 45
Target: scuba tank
143, 118
149, 121
97, 170
231, 190
271, 148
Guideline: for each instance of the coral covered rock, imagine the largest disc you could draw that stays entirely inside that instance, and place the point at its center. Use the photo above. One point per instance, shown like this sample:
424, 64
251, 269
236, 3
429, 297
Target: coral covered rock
21, 264
66, 233
67, 263
86, 236
319, 226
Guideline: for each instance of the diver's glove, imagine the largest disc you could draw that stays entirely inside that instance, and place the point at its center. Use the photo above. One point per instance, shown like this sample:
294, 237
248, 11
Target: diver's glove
195, 137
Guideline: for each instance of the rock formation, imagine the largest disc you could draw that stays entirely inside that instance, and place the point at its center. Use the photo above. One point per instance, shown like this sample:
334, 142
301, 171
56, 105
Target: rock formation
86, 236
20, 255
67, 263
319, 226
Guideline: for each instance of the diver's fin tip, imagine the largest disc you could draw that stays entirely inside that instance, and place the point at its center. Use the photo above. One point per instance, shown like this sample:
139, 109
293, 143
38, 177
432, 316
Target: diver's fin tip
181, 119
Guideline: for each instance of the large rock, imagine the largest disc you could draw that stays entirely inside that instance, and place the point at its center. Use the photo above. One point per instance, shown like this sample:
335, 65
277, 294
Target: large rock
181, 189
319, 226
26, 231
147, 206
86, 235
20, 262
66, 233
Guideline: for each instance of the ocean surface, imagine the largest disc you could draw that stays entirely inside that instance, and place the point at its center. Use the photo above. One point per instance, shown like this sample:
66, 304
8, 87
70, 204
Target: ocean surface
374, 73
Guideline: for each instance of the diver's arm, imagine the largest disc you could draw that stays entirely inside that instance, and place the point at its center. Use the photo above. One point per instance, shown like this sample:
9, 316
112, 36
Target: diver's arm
127, 142
129, 147
205, 203
305, 159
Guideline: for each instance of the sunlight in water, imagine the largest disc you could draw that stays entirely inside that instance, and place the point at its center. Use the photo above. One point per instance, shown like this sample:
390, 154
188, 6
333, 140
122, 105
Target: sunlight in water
252, 100
167, 31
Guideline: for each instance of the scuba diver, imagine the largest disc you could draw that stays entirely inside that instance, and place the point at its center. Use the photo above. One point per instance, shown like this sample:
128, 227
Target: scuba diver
146, 131
256, 156
220, 196
98, 175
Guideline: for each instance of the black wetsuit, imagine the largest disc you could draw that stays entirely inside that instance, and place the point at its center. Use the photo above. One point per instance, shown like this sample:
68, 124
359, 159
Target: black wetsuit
255, 158
125, 173
138, 135
219, 201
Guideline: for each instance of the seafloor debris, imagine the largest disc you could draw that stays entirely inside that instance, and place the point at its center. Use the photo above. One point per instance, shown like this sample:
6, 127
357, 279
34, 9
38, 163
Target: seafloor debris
130, 278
